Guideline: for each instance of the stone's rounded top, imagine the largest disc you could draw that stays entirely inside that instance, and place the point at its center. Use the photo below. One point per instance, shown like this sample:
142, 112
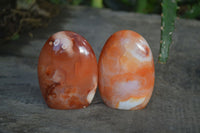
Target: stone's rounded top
69, 42
135, 34
131, 42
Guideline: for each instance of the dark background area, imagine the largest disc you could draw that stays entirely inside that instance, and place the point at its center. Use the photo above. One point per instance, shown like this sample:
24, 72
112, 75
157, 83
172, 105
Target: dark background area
22, 16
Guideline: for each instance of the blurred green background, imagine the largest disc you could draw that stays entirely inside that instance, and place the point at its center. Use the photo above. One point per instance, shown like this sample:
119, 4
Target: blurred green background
22, 16
187, 8
18, 16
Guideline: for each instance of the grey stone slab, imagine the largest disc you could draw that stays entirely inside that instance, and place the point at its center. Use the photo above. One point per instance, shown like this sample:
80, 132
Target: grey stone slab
173, 108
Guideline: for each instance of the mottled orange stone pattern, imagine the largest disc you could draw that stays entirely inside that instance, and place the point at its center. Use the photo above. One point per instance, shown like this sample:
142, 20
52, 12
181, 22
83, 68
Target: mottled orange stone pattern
67, 71
126, 71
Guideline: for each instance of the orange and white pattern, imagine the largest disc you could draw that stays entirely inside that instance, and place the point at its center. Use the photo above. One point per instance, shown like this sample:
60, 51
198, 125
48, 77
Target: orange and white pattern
126, 71
67, 71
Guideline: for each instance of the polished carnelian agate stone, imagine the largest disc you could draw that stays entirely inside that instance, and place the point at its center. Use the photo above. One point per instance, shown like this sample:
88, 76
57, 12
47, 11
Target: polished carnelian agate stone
67, 71
126, 71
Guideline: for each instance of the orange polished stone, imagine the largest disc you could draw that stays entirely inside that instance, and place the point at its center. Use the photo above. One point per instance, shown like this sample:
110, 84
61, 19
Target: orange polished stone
67, 71
126, 71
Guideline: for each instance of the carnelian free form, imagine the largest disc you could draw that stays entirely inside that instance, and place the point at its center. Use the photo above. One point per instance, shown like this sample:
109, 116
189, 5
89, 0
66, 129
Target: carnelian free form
67, 71
126, 71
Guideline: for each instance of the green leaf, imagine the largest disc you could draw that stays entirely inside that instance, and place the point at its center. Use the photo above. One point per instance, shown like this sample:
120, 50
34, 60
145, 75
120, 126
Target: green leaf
58, 1
15, 36
76, 2
193, 12
141, 6
97, 3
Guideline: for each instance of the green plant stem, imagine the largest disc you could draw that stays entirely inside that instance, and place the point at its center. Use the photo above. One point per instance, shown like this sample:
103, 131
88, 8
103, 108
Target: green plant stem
168, 16
97, 3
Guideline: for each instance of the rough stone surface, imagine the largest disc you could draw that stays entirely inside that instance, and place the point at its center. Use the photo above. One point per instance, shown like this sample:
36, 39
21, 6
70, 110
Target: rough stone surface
173, 108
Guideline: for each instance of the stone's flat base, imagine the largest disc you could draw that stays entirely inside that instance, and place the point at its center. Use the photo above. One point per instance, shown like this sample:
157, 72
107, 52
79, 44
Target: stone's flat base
174, 106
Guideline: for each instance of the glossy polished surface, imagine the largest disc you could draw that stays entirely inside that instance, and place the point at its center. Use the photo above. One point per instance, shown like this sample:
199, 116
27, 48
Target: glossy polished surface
126, 71
67, 71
